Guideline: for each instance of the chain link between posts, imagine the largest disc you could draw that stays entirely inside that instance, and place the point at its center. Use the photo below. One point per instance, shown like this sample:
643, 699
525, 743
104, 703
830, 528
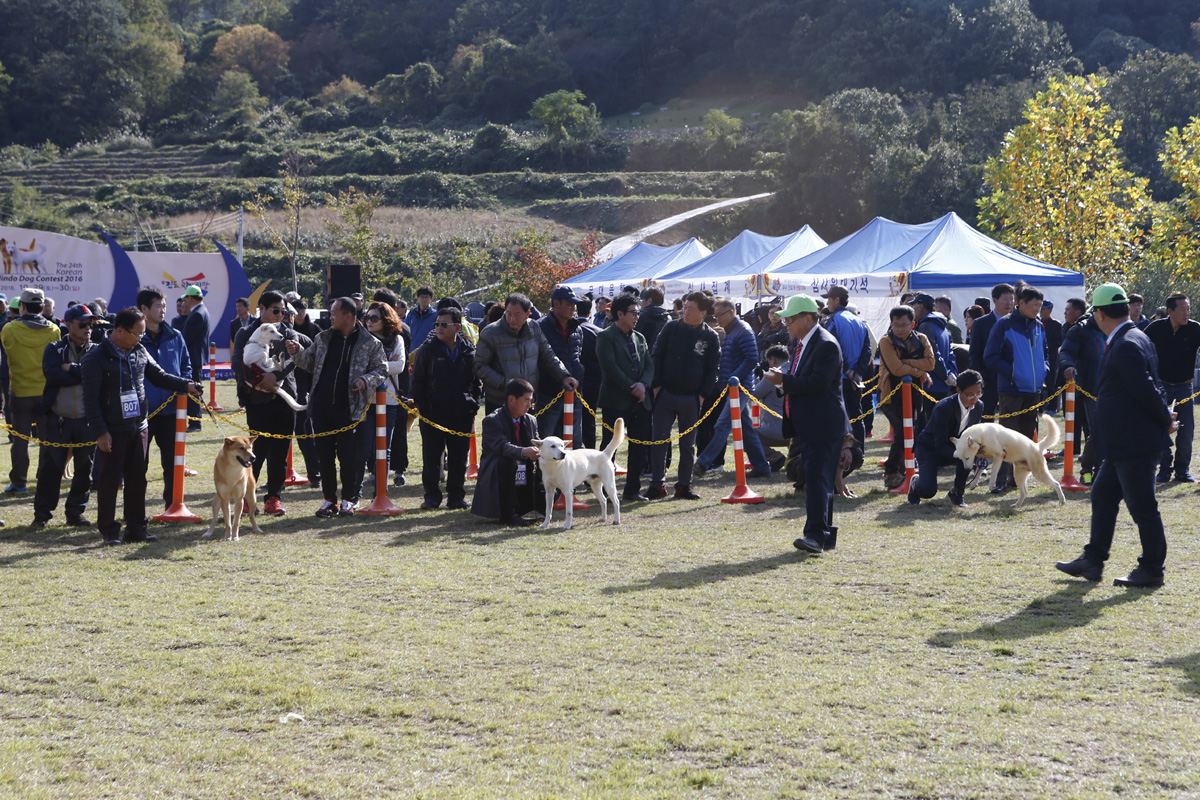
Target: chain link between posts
33, 439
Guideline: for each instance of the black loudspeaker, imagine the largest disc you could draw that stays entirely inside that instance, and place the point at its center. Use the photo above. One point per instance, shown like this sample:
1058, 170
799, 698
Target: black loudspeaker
342, 280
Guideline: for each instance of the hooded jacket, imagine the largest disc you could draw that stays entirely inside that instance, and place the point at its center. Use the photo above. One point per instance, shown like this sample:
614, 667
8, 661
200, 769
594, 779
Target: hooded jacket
945, 371
25, 340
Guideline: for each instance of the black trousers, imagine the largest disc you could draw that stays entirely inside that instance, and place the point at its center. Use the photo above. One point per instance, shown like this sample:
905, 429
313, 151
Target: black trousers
127, 462
456, 448
161, 430
273, 417
53, 460
193, 405
341, 450
307, 448
637, 425
399, 443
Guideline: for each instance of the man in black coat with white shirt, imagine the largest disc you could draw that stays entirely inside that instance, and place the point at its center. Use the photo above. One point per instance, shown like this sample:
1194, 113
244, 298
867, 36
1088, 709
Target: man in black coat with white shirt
814, 415
1130, 399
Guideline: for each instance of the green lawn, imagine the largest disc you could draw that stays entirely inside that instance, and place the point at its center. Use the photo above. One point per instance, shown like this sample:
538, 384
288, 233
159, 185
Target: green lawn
690, 651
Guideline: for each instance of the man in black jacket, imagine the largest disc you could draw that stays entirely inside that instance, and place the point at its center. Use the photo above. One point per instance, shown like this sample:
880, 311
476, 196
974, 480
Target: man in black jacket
115, 401
653, 317
265, 410
62, 420
446, 392
1131, 400
686, 357
935, 444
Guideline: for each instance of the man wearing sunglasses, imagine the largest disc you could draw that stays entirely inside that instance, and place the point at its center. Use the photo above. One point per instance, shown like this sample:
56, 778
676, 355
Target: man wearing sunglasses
61, 419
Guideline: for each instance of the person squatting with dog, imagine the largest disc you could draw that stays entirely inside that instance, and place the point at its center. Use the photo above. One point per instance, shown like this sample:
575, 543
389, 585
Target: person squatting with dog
266, 410
346, 363
114, 397
934, 445
508, 486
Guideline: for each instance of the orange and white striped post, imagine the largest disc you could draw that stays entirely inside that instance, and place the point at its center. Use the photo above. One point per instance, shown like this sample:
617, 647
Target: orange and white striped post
293, 478
212, 377
473, 459
568, 437
910, 462
178, 510
1069, 481
755, 420
381, 505
741, 492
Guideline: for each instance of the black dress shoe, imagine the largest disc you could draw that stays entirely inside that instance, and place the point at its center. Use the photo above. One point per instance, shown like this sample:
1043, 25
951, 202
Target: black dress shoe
1081, 567
80, 522
38, 523
1163, 477
1185, 477
139, 538
810, 544
956, 499
1139, 579
111, 542
759, 473
634, 498
685, 493
458, 505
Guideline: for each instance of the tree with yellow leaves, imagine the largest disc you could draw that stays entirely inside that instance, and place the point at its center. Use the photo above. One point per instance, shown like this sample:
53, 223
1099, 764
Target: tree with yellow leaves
1060, 190
1177, 229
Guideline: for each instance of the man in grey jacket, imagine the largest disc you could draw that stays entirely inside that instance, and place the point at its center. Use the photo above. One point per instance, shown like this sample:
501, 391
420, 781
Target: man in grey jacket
512, 348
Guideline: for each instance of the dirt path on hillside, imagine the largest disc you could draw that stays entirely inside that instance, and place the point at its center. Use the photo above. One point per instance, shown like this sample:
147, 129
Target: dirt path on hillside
623, 243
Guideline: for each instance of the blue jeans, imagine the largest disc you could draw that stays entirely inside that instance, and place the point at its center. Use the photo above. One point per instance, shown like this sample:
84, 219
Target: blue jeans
1183, 439
1131, 479
755, 453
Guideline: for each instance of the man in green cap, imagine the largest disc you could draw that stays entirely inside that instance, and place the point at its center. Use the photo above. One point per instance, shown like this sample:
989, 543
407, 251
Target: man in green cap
814, 415
1134, 428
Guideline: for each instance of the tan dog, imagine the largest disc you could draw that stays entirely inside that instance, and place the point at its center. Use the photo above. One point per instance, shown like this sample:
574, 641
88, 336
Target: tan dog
565, 469
8, 262
234, 482
993, 441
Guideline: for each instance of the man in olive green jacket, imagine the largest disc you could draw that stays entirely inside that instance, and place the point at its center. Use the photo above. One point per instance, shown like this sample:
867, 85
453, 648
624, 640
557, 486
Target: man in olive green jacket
626, 371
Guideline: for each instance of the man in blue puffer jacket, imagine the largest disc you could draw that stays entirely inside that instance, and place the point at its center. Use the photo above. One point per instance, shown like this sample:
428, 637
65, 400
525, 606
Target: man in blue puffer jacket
168, 348
739, 356
1017, 353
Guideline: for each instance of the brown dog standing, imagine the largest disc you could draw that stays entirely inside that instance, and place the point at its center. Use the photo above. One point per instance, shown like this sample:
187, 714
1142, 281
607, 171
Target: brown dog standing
234, 481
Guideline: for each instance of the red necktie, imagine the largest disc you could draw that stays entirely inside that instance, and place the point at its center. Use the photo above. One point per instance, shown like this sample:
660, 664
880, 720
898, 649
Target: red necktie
517, 431
796, 360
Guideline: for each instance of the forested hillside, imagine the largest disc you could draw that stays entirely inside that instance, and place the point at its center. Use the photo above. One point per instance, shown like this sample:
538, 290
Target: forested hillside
847, 108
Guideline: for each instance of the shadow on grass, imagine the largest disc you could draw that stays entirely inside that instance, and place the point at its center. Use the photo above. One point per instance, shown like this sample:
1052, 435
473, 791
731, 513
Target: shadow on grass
709, 573
1190, 667
48, 541
1064, 609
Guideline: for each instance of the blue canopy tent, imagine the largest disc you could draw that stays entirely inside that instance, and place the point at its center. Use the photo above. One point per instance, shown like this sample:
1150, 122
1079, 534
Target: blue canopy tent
637, 265
947, 256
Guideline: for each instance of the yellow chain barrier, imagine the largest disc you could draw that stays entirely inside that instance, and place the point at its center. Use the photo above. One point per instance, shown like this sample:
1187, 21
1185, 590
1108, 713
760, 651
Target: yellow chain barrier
34, 440
412, 409
351, 426
712, 407
550, 405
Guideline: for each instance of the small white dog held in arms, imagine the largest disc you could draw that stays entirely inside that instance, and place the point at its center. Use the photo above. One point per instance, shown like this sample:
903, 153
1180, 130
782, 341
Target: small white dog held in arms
565, 469
992, 441
257, 356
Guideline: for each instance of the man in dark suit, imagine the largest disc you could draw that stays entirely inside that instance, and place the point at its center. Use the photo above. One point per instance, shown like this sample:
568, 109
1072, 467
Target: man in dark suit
626, 372
814, 415
508, 486
1130, 399
197, 331
934, 446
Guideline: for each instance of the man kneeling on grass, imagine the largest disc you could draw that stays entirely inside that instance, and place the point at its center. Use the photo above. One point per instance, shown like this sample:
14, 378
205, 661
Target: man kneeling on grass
507, 486
934, 447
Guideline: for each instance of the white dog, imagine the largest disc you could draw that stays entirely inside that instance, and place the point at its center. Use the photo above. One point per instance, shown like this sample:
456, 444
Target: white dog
565, 469
257, 353
31, 258
995, 442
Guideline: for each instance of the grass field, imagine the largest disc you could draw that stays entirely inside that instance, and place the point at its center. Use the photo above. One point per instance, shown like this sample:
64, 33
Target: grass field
689, 652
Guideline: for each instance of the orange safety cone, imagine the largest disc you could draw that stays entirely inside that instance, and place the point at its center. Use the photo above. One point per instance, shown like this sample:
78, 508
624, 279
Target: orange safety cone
910, 463
212, 377
178, 510
741, 492
381, 505
473, 460
1069, 482
293, 478
568, 437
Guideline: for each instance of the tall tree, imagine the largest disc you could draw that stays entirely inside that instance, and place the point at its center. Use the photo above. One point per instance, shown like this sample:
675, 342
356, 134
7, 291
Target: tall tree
1060, 190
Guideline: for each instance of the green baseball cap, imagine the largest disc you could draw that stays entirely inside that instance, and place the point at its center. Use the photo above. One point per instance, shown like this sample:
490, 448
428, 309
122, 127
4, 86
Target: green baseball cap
1108, 294
799, 304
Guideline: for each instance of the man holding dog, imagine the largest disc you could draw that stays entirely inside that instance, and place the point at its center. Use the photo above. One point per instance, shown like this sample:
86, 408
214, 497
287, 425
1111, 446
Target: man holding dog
507, 486
1131, 400
346, 363
266, 412
62, 420
814, 416
934, 445
168, 349
114, 398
